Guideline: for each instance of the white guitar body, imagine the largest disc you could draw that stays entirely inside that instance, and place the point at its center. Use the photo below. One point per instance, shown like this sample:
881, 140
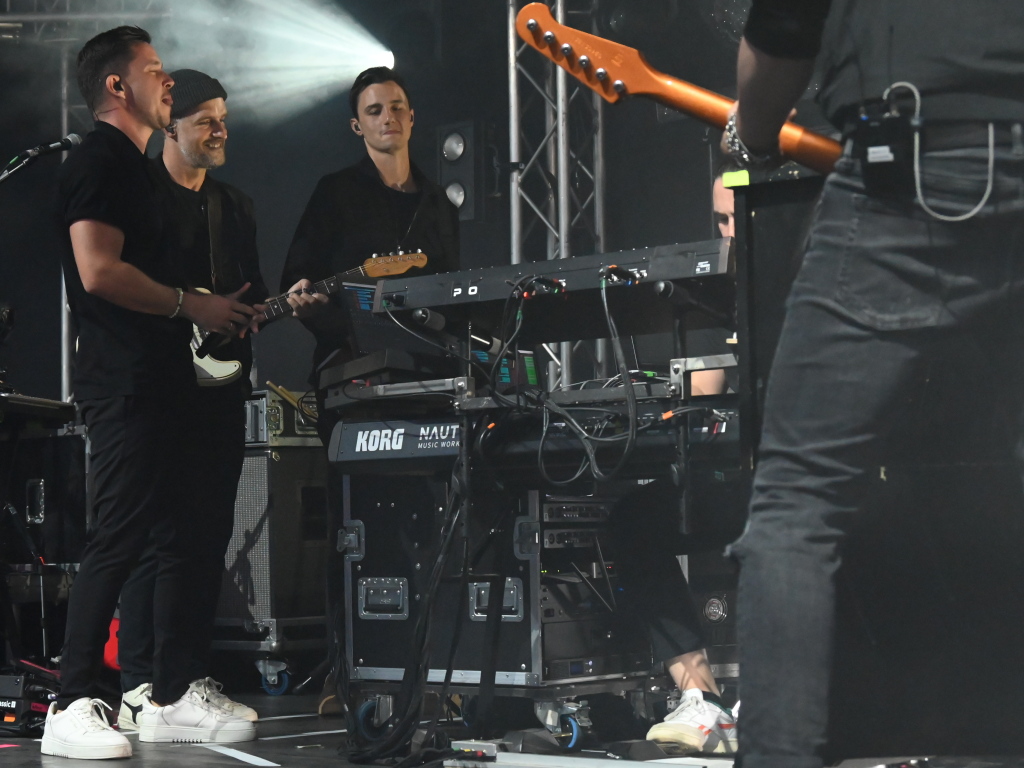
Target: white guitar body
210, 372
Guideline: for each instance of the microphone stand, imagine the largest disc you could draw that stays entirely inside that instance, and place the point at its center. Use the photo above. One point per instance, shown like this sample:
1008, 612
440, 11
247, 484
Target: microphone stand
10, 171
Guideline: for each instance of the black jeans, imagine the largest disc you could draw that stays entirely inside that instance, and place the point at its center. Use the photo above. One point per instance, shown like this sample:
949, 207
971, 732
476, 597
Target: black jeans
135, 476
882, 289
644, 542
211, 467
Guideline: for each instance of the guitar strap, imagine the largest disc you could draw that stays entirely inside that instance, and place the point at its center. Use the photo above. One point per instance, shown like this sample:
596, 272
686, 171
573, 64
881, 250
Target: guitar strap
213, 221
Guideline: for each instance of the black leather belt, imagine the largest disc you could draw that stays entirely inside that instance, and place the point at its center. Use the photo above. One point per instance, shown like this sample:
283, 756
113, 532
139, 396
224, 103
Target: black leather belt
939, 136
963, 134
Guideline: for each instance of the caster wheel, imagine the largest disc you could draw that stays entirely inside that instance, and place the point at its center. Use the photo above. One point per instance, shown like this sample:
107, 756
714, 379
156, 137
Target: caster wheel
281, 687
572, 732
364, 721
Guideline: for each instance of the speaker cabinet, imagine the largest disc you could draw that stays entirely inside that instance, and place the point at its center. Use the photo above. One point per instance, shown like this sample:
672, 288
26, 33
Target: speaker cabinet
273, 589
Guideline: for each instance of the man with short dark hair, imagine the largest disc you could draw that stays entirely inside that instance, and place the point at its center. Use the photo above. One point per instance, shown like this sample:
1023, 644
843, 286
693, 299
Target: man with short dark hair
211, 237
382, 204
132, 375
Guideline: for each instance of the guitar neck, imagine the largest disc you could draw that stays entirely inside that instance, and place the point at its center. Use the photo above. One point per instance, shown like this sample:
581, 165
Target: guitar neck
279, 306
613, 71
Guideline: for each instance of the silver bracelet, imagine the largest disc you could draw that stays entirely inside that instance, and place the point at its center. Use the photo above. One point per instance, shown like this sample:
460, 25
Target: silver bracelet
739, 152
177, 309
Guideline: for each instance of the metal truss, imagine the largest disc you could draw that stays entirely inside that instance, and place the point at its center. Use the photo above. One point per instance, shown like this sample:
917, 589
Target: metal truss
556, 147
66, 24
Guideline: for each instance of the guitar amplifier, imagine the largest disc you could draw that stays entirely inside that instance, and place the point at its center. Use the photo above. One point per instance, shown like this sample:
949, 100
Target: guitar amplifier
272, 596
271, 421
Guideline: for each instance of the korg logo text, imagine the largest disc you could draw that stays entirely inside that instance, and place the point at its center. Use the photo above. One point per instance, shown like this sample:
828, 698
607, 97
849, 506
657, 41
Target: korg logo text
380, 440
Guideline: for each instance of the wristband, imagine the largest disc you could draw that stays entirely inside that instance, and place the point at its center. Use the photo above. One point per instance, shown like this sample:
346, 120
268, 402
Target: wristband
177, 309
739, 152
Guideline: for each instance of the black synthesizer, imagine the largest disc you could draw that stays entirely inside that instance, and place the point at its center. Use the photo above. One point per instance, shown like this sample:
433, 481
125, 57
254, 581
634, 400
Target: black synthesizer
562, 296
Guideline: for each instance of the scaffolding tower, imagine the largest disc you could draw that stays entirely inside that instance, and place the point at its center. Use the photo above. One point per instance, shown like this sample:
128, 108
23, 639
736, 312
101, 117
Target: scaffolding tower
558, 173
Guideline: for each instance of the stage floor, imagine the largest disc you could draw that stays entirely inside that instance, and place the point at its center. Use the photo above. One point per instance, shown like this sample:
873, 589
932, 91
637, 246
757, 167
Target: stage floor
290, 733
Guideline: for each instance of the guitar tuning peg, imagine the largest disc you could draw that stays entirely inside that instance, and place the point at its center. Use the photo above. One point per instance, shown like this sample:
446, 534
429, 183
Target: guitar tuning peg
532, 25
602, 74
549, 37
584, 61
566, 49
374, 256
619, 86
400, 252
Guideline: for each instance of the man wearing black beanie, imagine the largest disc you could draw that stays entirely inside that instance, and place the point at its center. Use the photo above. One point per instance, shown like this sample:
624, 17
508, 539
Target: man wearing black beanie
210, 237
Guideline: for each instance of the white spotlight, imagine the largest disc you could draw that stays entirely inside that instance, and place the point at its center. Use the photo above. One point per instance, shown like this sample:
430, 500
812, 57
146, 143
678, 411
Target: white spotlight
276, 58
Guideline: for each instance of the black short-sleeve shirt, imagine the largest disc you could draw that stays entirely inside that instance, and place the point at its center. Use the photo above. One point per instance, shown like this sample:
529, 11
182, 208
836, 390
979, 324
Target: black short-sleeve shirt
120, 352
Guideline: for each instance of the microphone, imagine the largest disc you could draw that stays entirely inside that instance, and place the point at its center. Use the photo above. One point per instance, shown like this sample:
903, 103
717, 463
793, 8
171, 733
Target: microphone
69, 141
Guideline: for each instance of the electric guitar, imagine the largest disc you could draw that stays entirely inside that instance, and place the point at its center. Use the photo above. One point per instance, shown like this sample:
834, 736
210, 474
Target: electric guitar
614, 71
211, 372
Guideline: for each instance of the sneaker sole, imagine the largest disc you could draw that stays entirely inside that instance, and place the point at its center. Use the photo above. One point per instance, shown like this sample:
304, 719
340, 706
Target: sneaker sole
165, 734
58, 748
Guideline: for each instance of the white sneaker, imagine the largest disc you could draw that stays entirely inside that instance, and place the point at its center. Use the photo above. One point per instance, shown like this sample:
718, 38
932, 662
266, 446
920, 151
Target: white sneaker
131, 707
696, 725
192, 718
81, 731
211, 689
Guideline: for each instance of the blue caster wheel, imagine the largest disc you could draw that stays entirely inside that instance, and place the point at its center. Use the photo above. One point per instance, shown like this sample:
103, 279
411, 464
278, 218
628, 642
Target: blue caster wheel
572, 732
279, 688
364, 721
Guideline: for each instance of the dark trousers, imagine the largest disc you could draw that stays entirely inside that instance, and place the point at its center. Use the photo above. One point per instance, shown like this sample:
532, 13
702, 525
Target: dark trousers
883, 289
135, 476
644, 542
211, 469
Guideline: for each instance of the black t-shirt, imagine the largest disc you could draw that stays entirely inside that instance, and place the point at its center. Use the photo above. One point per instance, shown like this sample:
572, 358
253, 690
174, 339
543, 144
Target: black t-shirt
120, 352
350, 217
965, 57
186, 244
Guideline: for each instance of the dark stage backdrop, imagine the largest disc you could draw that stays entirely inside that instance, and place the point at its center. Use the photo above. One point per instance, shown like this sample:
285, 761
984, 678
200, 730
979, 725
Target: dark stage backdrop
455, 63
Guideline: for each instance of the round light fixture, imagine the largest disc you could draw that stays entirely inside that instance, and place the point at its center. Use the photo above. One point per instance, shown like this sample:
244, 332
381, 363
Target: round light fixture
456, 193
453, 147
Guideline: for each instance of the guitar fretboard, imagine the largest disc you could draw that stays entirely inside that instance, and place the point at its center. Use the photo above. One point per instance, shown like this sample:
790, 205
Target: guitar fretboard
279, 307
379, 266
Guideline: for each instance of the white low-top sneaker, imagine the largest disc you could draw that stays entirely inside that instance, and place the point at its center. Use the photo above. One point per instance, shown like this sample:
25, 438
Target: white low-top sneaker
696, 725
131, 707
81, 731
211, 689
192, 718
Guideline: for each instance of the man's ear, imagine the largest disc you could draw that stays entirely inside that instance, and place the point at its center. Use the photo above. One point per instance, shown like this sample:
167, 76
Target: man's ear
171, 132
412, 116
115, 85
355, 126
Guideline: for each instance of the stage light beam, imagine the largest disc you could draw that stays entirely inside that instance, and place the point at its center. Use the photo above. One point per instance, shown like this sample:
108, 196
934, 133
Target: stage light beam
276, 58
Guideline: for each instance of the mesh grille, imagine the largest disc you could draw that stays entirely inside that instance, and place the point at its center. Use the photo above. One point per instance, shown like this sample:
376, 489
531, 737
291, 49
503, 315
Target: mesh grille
245, 593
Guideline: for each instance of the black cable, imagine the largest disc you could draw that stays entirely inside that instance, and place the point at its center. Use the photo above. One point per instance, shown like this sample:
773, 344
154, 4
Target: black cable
432, 343
414, 682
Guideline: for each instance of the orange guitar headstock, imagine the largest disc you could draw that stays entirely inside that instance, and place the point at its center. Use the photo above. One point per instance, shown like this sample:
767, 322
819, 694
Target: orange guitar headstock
396, 264
610, 69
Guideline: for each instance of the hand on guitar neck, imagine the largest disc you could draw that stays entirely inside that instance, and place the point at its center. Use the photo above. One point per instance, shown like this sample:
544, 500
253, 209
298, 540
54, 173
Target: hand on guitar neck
305, 301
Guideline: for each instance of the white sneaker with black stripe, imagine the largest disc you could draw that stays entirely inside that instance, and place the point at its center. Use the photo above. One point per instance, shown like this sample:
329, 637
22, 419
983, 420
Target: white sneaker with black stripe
131, 707
211, 689
192, 719
81, 731
696, 725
